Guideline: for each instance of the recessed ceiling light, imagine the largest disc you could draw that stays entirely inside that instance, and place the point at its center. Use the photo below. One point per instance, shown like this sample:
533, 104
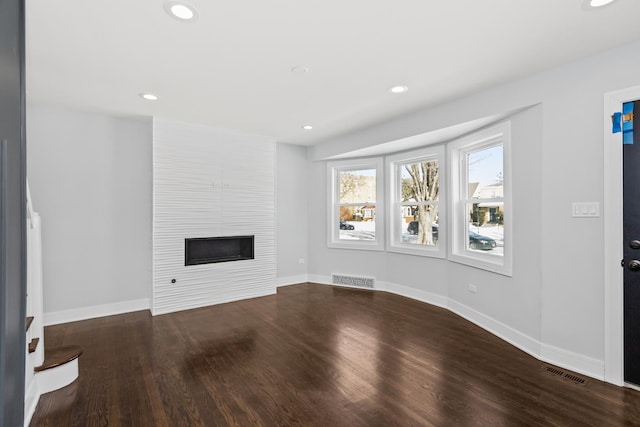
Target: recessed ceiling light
307, 127
398, 89
299, 69
599, 3
181, 11
148, 96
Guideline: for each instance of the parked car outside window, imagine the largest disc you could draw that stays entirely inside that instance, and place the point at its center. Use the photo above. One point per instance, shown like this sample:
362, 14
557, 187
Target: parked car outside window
478, 241
345, 226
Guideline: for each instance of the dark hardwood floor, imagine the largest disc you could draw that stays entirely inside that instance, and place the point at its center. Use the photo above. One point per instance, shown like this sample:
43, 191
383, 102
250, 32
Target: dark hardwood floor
315, 355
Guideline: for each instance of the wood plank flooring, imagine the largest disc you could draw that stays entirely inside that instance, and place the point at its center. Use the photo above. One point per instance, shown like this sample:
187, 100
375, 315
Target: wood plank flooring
315, 355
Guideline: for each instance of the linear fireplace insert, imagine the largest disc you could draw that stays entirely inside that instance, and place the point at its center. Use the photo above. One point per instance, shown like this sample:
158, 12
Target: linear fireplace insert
207, 250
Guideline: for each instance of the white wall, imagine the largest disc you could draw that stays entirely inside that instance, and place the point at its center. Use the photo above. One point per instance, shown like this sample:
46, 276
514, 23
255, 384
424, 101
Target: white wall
90, 178
292, 214
555, 298
514, 301
210, 182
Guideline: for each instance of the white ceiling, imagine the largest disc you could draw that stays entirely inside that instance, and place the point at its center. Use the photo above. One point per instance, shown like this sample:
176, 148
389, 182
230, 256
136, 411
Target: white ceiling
232, 67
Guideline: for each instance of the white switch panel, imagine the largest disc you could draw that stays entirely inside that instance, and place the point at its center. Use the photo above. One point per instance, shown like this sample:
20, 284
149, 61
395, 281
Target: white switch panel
585, 209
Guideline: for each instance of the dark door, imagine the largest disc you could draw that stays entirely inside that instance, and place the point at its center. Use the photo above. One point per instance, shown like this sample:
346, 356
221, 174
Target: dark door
631, 200
12, 214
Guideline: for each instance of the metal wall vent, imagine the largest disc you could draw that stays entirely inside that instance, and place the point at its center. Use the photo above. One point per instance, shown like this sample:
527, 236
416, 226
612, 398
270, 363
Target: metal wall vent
360, 282
565, 375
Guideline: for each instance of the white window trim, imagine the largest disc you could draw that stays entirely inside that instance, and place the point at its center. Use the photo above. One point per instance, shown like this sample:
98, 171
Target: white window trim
458, 252
333, 222
394, 244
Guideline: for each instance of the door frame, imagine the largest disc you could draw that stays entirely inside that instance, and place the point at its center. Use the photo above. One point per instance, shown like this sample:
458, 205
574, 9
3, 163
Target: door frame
613, 238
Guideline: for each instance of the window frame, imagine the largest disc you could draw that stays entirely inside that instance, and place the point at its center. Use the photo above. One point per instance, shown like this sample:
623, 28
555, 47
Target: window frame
394, 163
457, 152
333, 220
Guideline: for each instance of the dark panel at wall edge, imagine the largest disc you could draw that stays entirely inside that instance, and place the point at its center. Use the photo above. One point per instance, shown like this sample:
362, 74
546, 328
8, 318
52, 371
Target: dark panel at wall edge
13, 279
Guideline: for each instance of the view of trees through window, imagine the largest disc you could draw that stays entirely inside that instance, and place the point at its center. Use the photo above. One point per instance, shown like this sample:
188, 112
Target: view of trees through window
357, 204
450, 200
419, 192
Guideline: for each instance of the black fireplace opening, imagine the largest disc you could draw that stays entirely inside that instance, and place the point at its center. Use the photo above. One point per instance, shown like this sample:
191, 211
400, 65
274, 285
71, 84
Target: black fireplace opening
208, 250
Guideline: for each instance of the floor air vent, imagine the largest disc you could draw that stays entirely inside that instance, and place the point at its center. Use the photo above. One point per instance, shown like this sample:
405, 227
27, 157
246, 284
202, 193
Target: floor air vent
360, 282
554, 371
565, 375
576, 379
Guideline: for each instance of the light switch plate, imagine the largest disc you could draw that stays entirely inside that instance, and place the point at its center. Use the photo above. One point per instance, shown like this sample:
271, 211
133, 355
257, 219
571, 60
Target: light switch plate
585, 209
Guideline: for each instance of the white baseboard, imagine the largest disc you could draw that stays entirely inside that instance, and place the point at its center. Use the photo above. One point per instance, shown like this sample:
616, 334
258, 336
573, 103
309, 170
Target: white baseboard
512, 336
544, 352
557, 356
547, 353
292, 280
631, 386
417, 294
84, 313
576, 362
317, 278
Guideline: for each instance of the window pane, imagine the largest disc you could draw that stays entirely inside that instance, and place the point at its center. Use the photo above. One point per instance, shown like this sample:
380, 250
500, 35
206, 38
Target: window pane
357, 186
420, 182
357, 222
484, 171
486, 228
419, 225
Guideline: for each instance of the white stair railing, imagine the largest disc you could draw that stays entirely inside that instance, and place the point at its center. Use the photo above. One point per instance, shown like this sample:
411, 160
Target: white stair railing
34, 307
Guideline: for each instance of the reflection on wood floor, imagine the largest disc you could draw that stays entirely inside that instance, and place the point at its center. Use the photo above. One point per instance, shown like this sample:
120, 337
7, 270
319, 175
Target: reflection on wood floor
315, 355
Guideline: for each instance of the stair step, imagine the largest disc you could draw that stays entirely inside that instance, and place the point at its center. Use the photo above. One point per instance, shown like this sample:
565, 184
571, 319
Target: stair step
59, 356
33, 345
29, 322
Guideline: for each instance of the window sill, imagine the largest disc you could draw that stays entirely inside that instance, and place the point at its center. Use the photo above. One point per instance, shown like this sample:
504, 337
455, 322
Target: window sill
429, 251
366, 246
492, 263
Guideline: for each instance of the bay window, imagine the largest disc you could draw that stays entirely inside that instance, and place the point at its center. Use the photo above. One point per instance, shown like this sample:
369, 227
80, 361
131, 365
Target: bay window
448, 200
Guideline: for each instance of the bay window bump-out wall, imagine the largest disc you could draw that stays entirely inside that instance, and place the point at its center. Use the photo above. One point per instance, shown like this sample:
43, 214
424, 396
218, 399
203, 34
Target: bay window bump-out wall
509, 306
